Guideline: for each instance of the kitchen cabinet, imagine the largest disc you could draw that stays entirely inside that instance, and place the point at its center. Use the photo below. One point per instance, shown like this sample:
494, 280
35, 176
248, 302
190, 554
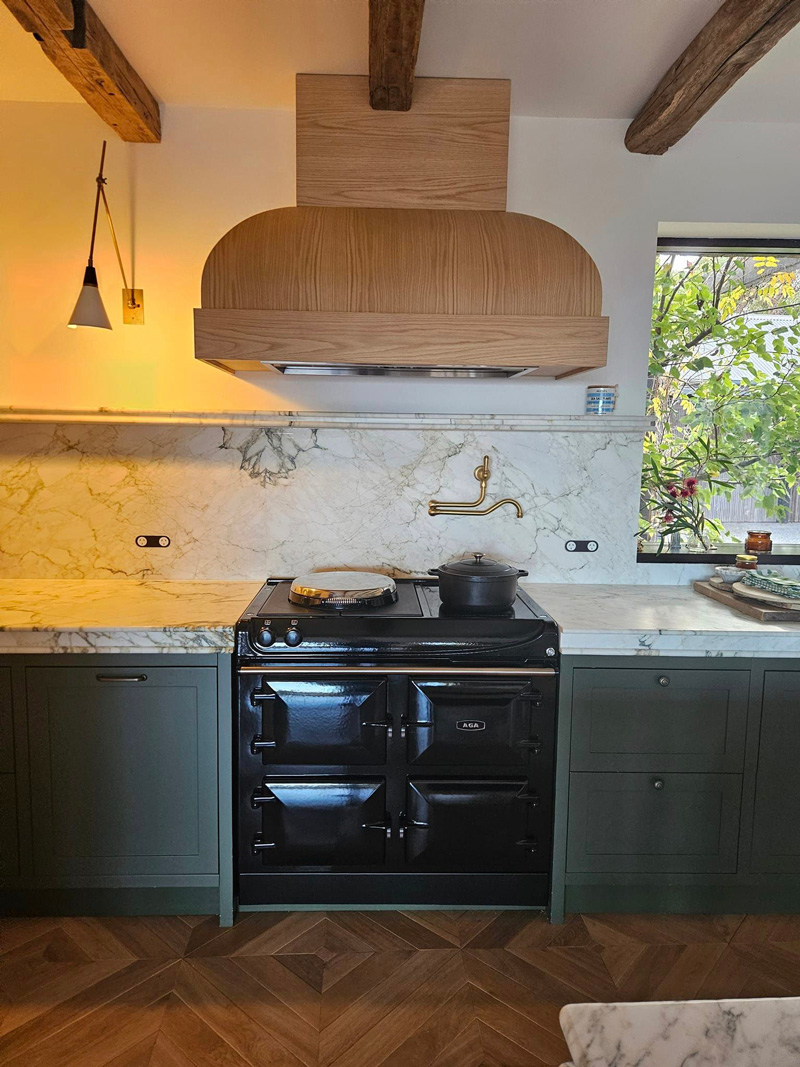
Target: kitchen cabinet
776, 819
6, 723
9, 837
123, 770
675, 785
670, 823
659, 719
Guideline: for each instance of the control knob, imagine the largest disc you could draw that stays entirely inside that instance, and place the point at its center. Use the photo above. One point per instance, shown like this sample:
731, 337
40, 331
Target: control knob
293, 637
265, 636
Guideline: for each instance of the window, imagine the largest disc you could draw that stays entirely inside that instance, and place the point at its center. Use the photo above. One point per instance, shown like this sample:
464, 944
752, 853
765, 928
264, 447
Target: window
724, 389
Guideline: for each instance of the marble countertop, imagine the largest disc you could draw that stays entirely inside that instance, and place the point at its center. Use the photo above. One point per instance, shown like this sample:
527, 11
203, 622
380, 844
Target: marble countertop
638, 620
125, 615
703, 1033
120, 615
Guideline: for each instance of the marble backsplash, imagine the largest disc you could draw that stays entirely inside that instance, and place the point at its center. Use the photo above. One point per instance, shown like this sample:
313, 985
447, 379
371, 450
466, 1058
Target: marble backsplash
244, 502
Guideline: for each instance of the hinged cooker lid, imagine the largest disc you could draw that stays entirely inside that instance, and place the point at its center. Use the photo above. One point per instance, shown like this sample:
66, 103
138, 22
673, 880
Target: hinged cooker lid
343, 589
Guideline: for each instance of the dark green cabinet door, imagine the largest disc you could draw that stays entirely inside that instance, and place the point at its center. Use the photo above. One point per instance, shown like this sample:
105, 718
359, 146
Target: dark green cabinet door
123, 770
6, 724
659, 719
776, 824
651, 823
9, 844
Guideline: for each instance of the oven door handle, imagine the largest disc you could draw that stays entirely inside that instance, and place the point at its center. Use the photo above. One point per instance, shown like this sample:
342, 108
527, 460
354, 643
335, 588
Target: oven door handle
385, 826
387, 726
533, 743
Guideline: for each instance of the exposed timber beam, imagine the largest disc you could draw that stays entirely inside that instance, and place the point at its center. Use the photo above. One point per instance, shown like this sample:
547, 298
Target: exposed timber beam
731, 42
92, 62
394, 29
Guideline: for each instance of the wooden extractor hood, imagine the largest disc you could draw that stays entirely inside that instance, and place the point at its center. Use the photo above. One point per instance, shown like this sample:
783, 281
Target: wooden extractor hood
336, 287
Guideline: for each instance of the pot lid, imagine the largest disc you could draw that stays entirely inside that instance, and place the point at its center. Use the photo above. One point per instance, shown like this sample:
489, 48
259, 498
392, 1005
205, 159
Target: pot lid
479, 566
343, 589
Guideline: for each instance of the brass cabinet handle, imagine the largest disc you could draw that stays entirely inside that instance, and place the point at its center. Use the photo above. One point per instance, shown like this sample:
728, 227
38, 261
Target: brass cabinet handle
121, 677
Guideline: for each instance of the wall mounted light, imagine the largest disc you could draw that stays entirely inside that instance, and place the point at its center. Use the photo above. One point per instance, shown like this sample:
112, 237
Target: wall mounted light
89, 309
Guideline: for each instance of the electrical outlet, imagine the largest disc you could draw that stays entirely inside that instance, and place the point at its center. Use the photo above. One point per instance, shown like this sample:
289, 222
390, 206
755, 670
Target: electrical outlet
153, 541
581, 546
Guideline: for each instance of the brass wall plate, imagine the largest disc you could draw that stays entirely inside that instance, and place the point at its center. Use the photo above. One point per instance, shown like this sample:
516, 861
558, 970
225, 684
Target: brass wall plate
133, 307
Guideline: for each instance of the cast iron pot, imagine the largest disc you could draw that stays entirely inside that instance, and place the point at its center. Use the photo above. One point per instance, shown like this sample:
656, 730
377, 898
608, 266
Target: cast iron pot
477, 586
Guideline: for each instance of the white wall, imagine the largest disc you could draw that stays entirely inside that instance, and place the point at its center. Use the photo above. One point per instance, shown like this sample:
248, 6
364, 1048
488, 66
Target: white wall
216, 167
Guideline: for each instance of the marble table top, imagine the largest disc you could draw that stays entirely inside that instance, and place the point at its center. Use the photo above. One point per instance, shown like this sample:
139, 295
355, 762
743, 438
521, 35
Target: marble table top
703, 1033
646, 620
125, 615
120, 615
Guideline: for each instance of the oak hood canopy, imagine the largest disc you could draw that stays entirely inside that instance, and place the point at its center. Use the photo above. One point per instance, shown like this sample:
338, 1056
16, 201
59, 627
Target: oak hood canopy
442, 284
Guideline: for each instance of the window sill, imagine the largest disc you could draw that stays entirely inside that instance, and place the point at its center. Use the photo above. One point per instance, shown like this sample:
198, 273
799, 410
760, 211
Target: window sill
780, 555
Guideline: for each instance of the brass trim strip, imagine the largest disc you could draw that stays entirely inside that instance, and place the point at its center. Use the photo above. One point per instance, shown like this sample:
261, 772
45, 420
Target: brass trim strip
536, 672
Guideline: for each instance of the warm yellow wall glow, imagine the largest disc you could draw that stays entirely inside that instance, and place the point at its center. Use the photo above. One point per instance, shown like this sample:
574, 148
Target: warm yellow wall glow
170, 202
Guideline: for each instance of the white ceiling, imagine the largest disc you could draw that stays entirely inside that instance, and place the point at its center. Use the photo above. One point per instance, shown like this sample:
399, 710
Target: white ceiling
570, 58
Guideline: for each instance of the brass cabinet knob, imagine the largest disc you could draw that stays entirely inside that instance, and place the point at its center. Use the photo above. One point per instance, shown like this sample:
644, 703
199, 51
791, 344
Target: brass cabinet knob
663, 681
658, 783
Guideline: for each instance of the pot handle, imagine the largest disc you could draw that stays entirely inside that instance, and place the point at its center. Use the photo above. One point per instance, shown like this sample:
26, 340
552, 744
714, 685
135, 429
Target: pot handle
434, 570
522, 574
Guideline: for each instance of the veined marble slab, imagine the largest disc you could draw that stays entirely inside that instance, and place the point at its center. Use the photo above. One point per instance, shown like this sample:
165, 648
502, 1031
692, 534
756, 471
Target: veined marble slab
120, 615
700, 1033
632, 620
349, 420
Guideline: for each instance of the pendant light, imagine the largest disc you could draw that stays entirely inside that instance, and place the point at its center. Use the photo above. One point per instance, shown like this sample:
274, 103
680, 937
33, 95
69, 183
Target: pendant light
89, 309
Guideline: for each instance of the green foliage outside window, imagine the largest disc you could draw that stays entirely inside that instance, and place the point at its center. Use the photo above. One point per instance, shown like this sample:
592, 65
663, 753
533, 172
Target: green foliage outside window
724, 388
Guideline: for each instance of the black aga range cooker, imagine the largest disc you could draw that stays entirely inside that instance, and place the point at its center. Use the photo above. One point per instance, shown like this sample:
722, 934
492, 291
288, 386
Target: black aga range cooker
389, 753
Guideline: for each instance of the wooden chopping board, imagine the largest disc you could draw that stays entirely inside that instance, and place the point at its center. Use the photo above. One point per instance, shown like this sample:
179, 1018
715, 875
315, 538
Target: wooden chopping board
746, 607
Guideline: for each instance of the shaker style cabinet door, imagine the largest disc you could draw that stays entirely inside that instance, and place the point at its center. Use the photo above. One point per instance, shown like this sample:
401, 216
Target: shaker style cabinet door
123, 770
322, 721
9, 842
776, 824
658, 719
6, 723
653, 823
317, 822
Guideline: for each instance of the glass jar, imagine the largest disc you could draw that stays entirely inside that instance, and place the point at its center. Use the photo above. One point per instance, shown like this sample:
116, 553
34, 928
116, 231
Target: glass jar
746, 562
758, 541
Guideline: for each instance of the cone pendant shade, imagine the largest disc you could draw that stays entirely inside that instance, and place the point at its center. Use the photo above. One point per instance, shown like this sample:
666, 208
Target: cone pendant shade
89, 310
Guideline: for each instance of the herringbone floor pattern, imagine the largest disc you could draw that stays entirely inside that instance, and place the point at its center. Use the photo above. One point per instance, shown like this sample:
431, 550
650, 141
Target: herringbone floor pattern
357, 989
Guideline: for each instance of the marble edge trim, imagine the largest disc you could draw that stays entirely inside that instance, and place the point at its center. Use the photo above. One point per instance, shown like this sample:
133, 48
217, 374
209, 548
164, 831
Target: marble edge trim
119, 639
321, 420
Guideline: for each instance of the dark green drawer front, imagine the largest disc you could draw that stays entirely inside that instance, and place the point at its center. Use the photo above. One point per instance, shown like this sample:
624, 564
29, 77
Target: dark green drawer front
624, 823
776, 825
642, 719
9, 845
6, 724
123, 771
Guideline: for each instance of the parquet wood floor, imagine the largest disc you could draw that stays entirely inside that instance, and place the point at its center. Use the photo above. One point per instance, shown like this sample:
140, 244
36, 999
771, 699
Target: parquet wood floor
357, 989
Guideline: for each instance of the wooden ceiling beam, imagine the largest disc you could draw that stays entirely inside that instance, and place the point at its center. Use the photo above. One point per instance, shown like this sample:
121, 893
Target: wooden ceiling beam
394, 30
731, 42
92, 62
42, 16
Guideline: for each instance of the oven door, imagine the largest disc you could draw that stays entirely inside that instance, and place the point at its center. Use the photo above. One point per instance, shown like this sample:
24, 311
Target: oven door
318, 821
479, 721
474, 825
339, 721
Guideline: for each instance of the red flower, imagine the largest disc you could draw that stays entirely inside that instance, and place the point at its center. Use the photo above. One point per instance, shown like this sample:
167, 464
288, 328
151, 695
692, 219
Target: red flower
673, 490
669, 517
687, 492
691, 486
